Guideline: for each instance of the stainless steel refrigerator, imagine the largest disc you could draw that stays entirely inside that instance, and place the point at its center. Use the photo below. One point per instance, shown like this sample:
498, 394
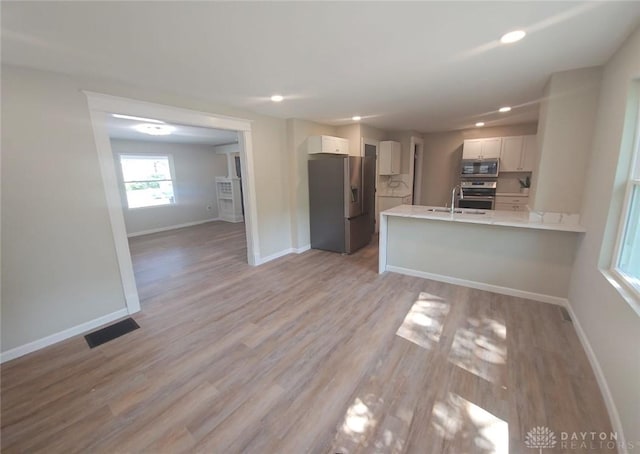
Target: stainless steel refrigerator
341, 202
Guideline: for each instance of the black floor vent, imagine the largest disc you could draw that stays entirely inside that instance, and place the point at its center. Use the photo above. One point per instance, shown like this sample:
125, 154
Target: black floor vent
111, 332
565, 315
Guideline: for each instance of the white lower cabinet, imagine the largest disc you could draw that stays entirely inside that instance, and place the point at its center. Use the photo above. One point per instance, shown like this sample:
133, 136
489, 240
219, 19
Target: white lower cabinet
511, 203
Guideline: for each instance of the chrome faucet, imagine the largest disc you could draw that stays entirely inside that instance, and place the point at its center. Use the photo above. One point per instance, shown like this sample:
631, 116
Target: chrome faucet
453, 197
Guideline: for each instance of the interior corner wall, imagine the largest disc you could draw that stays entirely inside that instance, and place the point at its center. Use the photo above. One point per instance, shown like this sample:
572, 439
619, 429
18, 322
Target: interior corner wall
567, 119
59, 267
542, 117
443, 153
297, 133
608, 321
404, 137
195, 167
373, 133
352, 134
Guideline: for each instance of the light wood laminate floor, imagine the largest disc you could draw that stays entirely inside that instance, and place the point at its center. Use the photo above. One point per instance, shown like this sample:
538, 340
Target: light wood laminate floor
309, 353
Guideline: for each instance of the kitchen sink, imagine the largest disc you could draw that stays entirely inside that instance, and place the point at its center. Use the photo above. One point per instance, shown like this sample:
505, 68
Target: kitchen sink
456, 211
443, 210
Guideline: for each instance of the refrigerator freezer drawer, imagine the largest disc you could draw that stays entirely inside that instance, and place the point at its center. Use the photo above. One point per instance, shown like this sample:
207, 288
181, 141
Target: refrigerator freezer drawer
358, 233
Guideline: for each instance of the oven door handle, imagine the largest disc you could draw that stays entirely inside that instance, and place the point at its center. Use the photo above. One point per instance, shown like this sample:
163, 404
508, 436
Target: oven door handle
478, 197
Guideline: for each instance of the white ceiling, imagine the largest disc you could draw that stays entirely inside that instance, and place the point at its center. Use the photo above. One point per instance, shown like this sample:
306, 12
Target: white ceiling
426, 66
120, 128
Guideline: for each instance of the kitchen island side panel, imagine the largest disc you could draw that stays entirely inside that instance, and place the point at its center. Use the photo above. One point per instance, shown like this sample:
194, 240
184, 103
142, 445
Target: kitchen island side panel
528, 260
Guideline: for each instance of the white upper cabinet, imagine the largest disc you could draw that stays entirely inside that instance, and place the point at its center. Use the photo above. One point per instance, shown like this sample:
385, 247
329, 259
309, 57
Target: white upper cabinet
518, 154
491, 148
327, 144
389, 158
511, 154
482, 148
472, 149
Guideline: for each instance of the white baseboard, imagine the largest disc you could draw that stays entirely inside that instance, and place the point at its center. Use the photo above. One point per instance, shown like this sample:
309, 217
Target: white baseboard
231, 218
481, 286
614, 416
60, 336
302, 249
170, 227
277, 255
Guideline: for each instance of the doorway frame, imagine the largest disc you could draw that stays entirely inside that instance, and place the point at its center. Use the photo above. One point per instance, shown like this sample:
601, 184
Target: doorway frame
102, 105
416, 173
376, 143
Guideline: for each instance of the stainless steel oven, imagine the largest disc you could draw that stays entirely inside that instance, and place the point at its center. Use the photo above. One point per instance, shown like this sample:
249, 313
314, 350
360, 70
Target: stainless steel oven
478, 194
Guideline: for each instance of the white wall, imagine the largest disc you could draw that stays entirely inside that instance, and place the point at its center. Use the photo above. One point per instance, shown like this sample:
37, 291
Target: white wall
443, 153
195, 167
59, 266
610, 324
567, 118
230, 153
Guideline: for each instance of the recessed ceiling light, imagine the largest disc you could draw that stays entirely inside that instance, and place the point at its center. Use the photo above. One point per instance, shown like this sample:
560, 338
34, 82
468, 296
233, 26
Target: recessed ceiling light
504, 109
131, 117
480, 124
356, 118
513, 36
154, 129
277, 98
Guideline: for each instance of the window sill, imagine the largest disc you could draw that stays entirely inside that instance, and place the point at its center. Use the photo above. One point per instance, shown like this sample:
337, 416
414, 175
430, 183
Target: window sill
152, 206
629, 294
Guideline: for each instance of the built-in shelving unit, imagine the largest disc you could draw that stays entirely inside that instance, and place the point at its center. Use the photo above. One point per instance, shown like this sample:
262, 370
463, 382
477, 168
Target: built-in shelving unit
229, 199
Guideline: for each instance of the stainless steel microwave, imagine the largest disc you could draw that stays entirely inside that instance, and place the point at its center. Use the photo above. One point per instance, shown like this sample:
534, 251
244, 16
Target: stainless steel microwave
486, 168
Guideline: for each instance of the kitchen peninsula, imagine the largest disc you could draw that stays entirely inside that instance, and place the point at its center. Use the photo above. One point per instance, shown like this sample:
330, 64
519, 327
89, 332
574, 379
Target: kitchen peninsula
515, 253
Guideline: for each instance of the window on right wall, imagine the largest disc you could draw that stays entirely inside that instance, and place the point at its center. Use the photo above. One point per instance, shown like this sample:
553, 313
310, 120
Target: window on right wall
626, 262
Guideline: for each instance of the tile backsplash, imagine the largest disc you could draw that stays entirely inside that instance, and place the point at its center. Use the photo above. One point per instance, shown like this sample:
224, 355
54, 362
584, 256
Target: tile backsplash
508, 182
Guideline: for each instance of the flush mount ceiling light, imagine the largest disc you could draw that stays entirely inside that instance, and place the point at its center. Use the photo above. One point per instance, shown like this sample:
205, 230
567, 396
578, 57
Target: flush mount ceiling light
504, 109
480, 124
130, 117
154, 129
356, 118
513, 36
277, 98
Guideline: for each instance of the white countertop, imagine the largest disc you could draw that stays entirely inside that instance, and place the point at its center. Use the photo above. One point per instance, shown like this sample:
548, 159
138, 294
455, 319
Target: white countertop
522, 219
393, 194
511, 194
